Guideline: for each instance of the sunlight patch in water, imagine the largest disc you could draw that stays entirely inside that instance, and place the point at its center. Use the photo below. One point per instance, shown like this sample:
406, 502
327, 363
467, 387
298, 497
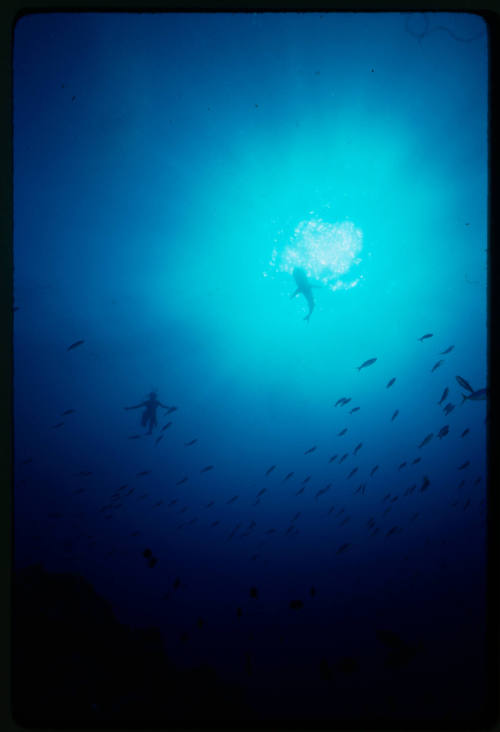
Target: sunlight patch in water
325, 251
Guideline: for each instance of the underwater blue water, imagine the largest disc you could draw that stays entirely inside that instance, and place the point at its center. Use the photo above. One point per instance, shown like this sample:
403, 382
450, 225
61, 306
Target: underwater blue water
164, 165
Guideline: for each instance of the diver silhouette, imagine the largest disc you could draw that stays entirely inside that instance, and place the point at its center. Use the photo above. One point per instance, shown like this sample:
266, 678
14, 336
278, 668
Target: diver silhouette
149, 414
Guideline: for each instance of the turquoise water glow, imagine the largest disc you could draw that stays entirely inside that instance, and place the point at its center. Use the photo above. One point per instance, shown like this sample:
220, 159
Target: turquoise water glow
170, 171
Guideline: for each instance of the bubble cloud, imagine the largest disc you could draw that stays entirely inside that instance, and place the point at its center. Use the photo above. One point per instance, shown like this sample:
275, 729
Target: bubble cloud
325, 251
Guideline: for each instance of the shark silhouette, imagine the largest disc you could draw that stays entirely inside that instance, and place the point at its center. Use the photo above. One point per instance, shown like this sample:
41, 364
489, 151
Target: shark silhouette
304, 287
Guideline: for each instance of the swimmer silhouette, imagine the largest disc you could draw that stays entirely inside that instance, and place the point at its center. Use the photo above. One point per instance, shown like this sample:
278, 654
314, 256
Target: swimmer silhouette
149, 414
305, 288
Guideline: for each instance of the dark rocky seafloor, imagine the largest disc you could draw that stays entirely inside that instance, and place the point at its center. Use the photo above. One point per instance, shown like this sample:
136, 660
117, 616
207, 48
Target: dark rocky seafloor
74, 664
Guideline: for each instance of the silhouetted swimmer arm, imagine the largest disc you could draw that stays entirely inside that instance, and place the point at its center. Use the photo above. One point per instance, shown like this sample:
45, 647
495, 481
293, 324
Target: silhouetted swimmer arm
137, 406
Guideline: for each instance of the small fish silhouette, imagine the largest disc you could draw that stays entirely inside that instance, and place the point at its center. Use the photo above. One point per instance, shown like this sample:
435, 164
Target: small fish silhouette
443, 397
426, 439
465, 384
343, 548
425, 484
75, 345
366, 363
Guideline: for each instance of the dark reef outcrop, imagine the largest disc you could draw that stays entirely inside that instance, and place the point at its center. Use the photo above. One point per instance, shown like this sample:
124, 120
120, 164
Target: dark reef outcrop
74, 664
